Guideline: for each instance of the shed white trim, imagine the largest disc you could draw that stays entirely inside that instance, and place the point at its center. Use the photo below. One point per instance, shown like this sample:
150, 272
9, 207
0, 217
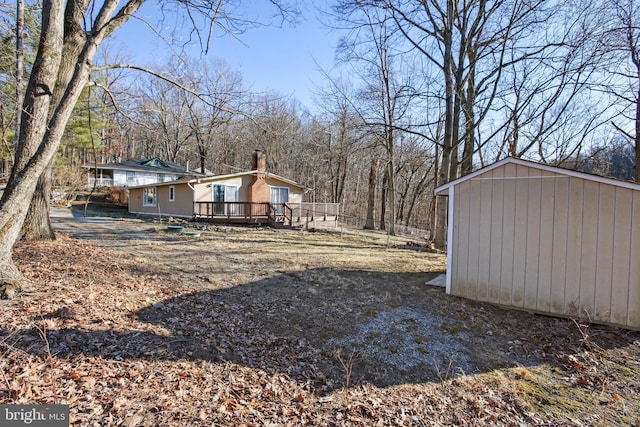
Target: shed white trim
450, 212
545, 239
443, 190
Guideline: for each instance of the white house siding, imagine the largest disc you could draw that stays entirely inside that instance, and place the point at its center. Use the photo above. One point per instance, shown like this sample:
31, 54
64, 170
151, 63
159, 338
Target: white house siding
548, 242
120, 179
140, 178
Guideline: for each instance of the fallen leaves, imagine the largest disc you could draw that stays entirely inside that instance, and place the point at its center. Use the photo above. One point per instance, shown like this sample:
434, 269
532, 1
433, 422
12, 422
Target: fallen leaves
123, 346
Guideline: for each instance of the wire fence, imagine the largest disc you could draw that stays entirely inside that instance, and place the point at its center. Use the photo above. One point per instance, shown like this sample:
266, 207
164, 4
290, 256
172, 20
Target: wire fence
355, 223
401, 230
327, 215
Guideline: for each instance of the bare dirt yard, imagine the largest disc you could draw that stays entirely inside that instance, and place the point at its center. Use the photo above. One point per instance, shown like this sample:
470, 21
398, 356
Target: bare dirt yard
133, 325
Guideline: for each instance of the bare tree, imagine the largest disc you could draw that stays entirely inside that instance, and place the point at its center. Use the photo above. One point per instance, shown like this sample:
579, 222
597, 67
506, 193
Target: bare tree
19, 36
414, 173
168, 107
222, 89
371, 199
272, 123
622, 38
387, 91
37, 224
474, 46
70, 36
19, 62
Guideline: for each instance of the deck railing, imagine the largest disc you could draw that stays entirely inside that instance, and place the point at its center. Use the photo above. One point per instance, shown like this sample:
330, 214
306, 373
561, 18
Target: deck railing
101, 182
230, 210
310, 211
279, 213
272, 213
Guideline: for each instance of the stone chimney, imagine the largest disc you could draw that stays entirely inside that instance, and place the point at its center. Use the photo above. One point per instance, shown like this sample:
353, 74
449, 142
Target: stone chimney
258, 191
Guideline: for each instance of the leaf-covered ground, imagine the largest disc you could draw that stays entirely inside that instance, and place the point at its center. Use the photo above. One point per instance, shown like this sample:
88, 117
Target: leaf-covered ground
131, 325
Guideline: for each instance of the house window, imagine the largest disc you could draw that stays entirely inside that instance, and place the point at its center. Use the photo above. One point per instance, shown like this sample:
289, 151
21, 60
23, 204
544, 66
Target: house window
172, 193
160, 177
131, 177
224, 195
278, 197
149, 196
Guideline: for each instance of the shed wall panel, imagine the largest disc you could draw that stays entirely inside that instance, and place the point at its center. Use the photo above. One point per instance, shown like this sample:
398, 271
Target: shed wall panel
574, 243
549, 242
559, 262
633, 301
588, 249
473, 250
621, 261
547, 206
461, 235
531, 277
183, 203
521, 217
604, 257
182, 206
507, 243
485, 235
135, 199
497, 231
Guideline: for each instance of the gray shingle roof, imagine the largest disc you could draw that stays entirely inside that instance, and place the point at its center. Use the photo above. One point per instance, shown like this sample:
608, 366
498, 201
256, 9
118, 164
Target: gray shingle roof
146, 165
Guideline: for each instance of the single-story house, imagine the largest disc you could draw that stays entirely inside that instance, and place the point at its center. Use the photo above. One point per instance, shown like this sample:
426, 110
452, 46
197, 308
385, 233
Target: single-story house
255, 196
134, 172
547, 240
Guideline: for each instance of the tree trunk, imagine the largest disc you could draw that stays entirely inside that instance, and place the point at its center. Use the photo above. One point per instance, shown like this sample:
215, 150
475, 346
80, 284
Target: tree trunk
371, 202
470, 120
42, 123
19, 65
391, 195
448, 143
433, 204
383, 197
203, 158
31, 157
418, 191
37, 223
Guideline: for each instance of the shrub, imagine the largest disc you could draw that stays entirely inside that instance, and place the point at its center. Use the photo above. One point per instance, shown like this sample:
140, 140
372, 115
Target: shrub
117, 196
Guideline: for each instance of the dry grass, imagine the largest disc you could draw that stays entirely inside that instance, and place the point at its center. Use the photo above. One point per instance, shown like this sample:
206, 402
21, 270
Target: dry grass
262, 327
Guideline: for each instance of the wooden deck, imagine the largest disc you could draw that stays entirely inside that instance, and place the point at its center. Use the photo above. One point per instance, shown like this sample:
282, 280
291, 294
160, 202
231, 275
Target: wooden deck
265, 213
232, 212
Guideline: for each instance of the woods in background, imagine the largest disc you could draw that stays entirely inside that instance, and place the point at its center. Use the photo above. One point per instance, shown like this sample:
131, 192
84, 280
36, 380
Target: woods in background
423, 92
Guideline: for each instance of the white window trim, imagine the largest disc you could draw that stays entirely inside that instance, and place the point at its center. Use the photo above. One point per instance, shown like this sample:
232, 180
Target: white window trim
145, 200
280, 187
172, 193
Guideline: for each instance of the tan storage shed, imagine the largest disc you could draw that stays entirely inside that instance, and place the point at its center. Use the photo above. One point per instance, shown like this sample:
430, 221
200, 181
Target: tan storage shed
546, 239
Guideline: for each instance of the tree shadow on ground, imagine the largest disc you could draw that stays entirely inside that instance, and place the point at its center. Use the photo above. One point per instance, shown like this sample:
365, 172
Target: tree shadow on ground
327, 327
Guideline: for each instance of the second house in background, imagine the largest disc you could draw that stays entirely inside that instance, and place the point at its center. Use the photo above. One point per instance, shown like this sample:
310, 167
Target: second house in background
252, 197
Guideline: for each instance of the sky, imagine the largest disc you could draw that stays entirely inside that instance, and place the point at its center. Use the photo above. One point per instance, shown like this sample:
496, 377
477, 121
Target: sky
284, 60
